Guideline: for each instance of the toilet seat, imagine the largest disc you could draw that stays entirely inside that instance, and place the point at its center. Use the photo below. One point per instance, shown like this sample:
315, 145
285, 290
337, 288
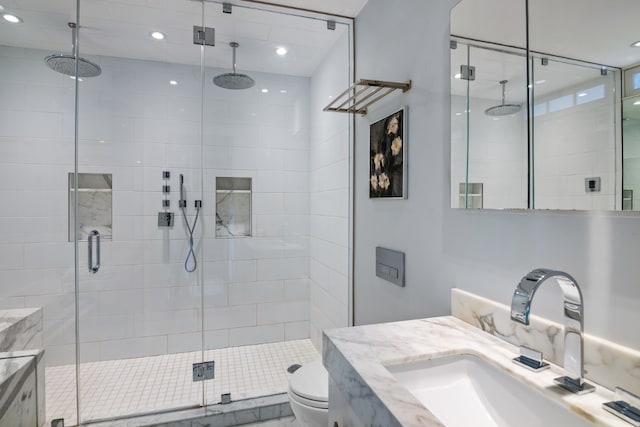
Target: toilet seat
309, 385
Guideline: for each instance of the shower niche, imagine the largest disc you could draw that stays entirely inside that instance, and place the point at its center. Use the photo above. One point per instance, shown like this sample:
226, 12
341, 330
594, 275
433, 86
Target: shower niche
233, 207
94, 195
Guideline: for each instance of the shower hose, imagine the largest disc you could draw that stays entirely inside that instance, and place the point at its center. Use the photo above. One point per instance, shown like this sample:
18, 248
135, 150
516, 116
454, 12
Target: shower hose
190, 230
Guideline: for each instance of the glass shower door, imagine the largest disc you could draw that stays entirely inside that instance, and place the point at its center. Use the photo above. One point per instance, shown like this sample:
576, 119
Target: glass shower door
138, 156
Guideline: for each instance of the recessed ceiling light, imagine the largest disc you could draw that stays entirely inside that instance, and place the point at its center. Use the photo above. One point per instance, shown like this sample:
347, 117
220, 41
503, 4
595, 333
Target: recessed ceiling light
539, 82
12, 18
281, 51
264, 90
157, 35
457, 76
283, 91
582, 94
173, 82
635, 44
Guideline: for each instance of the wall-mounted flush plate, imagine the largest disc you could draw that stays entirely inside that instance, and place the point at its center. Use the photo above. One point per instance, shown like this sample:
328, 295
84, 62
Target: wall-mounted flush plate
390, 265
165, 219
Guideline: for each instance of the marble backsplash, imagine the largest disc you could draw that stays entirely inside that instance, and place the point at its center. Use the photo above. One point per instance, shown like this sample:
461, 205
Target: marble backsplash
605, 363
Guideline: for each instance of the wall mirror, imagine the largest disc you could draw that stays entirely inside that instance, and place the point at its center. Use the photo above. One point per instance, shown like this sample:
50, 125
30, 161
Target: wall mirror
545, 119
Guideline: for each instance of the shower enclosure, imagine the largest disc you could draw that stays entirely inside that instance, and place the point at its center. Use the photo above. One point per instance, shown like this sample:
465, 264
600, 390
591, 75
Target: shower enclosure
126, 152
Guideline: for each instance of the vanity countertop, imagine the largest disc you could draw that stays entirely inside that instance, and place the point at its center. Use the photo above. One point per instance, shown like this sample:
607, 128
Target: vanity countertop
355, 358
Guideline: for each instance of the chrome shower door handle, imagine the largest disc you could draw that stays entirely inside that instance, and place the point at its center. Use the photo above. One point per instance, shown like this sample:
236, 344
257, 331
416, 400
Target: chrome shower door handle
93, 268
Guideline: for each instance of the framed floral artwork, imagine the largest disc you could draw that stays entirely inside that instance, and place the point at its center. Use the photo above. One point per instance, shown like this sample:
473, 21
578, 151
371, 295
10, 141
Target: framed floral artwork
387, 157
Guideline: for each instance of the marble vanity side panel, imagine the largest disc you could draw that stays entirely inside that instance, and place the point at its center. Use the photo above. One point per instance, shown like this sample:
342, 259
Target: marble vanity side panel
605, 363
20, 329
18, 402
359, 394
340, 413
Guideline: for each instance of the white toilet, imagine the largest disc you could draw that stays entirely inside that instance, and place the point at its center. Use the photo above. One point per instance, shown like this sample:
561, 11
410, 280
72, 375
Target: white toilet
309, 394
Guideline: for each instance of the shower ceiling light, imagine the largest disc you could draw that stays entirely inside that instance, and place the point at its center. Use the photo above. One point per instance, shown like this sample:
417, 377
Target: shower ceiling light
283, 91
636, 103
581, 94
635, 44
12, 18
173, 82
157, 35
539, 82
264, 90
457, 76
281, 51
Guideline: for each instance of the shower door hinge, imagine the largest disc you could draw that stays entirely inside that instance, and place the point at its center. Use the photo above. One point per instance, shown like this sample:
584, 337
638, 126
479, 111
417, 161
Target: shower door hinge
203, 371
467, 72
204, 36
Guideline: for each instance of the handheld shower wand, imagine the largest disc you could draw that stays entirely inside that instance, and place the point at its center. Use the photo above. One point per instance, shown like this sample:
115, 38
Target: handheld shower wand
190, 229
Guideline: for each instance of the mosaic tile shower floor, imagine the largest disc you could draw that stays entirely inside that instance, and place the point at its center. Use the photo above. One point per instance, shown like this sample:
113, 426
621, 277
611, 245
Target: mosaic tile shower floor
159, 383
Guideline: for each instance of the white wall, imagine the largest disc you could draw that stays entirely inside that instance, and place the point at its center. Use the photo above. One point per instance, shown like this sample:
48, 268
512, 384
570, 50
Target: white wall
485, 252
329, 167
134, 125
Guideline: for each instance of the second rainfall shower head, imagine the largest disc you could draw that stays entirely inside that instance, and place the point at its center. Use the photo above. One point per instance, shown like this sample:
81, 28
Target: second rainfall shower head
502, 109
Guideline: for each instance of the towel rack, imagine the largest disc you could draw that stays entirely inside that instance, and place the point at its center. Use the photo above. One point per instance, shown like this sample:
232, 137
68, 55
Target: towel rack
362, 94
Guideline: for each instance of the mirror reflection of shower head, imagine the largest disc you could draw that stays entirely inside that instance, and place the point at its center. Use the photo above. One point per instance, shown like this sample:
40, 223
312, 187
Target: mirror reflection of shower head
234, 80
66, 64
502, 109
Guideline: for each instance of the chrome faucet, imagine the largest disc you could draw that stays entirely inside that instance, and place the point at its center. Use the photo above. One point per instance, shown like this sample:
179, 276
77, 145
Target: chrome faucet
573, 322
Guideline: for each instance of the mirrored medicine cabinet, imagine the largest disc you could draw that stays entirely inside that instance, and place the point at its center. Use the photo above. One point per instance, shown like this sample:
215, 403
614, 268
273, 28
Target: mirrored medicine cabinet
545, 105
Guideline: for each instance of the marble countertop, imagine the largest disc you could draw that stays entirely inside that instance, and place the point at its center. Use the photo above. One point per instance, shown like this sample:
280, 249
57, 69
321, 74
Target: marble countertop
356, 358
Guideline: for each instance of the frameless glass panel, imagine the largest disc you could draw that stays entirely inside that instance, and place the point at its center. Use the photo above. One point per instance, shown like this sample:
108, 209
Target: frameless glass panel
497, 153
139, 122
36, 156
270, 146
574, 136
459, 123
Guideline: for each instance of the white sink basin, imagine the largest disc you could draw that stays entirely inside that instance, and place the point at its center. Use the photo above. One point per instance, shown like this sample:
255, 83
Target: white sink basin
464, 390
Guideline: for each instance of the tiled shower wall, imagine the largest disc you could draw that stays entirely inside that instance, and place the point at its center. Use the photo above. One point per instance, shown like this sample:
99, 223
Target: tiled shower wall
134, 125
329, 192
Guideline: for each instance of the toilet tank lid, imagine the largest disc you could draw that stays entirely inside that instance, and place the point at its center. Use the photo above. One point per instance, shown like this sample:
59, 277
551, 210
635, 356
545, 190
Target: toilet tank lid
311, 381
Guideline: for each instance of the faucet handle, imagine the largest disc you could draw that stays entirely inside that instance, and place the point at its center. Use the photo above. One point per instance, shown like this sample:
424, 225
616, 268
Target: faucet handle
530, 359
626, 406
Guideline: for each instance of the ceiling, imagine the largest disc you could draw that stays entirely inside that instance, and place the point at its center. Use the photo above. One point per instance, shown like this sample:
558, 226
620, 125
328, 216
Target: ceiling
121, 28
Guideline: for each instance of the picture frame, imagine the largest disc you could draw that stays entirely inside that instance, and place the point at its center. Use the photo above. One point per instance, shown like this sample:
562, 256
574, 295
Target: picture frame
388, 156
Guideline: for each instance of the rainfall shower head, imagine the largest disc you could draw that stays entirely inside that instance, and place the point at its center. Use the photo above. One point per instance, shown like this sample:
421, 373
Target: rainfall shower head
502, 109
234, 80
66, 64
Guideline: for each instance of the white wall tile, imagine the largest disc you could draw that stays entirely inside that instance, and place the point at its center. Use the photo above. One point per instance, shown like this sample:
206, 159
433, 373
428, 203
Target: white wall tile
282, 312
256, 335
257, 292
296, 330
230, 317
280, 269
